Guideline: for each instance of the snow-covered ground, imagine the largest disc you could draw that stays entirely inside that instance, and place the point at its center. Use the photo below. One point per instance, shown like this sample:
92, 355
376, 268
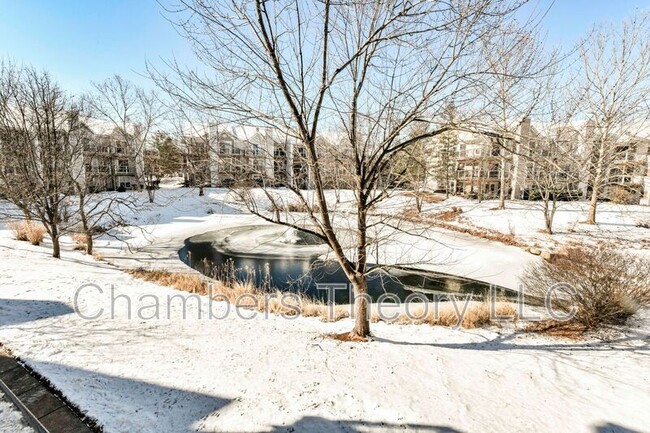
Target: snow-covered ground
525, 220
276, 374
11, 419
177, 373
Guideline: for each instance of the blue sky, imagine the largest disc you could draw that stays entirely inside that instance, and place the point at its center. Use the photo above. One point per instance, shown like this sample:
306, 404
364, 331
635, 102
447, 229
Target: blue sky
88, 40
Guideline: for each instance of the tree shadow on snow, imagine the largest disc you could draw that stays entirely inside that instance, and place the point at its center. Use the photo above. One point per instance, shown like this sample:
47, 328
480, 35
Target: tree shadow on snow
19, 311
128, 404
314, 424
613, 428
637, 342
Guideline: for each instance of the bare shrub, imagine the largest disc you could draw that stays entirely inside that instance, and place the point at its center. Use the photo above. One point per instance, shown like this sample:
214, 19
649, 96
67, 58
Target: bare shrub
18, 230
80, 241
608, 285
29, 231
621, 195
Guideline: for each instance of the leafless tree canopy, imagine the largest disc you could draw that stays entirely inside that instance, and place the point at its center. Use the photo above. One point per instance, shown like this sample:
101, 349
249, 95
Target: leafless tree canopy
615, 93
40, 133
364, 69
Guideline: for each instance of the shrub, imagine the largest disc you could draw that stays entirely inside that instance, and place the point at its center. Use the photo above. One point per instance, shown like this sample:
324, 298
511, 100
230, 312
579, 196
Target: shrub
80, 241
29, 231
608, 286
621, 195
643, 224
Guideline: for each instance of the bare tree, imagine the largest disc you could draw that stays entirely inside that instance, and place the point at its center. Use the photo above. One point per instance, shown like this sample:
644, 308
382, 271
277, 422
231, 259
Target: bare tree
134, 113
413, 165
94, 212
40, 131
197, 136
367, 69
616, 85
516, 59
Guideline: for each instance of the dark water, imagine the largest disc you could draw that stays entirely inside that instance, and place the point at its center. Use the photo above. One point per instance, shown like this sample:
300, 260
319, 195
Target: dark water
300, 274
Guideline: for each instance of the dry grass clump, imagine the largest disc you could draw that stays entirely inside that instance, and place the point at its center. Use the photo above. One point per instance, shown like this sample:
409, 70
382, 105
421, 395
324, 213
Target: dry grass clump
244, 295
447, 215
477, 315
452, 219
643, 224
29, 231
448, 220
427, 197
80, 241
557, 329
598, 286
293, 207
185, 282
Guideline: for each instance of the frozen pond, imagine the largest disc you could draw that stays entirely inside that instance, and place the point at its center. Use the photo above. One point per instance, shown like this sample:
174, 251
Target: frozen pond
274, 256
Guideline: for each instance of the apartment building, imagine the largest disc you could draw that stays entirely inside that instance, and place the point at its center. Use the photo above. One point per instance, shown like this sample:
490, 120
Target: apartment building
478, 164
226, 154
110, 161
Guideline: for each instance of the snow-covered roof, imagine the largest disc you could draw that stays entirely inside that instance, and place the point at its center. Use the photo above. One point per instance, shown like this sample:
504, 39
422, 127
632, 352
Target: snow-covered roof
106, 127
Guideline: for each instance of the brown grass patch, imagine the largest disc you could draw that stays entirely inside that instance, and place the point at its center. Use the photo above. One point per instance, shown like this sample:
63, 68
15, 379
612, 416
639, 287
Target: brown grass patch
244, 295
185, 282
477, 315
445, 220
348, 337
29, 231
554, 328
80, 241
294, 207
427, 197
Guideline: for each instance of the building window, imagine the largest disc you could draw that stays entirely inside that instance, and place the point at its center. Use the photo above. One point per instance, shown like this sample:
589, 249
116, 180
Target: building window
123, 166
120, 147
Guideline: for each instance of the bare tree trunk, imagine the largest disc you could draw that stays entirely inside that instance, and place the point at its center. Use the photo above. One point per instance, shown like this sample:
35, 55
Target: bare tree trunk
593, 204
548, 217
89, 244
361, 316
595, 192
502, 183
56, 246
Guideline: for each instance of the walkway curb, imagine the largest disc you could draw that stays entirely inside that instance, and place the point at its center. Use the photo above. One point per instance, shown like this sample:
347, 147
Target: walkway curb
42, 409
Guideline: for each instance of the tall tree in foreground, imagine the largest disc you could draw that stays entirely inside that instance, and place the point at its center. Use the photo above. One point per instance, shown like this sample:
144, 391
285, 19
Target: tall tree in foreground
616, 80
364, 68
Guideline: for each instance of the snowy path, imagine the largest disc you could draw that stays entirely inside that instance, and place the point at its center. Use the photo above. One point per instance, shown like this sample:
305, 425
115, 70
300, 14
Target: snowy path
274, 374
